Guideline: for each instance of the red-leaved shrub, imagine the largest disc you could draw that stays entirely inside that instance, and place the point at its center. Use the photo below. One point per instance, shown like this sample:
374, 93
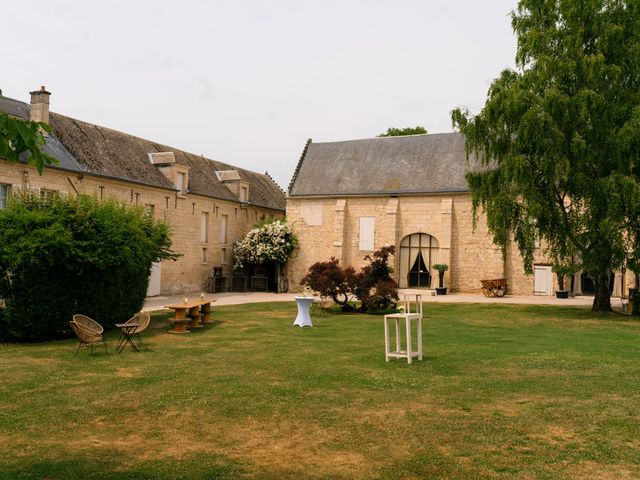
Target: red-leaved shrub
372, 286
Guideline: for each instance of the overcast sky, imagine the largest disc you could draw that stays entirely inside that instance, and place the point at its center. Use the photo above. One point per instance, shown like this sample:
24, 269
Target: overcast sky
248, 82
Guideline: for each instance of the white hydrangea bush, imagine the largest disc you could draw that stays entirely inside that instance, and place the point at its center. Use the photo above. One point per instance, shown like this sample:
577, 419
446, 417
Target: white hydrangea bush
270, 242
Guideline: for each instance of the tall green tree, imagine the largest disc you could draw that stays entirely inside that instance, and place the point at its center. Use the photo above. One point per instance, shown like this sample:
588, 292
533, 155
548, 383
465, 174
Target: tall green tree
23, 139
558, 140
401, 132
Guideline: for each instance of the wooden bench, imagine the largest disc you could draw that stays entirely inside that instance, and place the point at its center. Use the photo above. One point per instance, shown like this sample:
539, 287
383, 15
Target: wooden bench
494, 288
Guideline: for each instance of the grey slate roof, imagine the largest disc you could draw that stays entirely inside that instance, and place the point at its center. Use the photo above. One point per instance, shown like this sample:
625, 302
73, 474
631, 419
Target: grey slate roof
53, 145
433, 163
84, 147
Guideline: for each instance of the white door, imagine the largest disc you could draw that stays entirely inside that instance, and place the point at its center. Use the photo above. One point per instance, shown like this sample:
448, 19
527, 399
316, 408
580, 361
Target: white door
542, 280
154, 280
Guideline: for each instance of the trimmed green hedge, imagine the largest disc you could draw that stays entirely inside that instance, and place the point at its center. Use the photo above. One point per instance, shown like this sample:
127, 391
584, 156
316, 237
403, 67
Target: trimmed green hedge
62, 256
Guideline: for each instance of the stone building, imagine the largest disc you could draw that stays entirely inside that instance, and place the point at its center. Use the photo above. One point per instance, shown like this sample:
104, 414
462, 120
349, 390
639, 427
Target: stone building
209, 204
349, 198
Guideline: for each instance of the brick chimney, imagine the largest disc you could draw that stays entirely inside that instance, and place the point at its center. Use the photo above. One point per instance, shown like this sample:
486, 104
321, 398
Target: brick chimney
40, 105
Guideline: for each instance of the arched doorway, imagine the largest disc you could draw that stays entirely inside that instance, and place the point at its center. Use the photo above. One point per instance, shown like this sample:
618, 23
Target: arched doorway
418, 254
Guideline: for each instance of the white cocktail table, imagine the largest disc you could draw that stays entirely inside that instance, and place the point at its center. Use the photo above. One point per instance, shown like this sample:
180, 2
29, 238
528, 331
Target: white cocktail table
304, 305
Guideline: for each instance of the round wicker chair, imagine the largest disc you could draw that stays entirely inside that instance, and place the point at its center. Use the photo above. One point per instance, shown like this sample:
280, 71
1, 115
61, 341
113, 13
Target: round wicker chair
143, 320
88, 331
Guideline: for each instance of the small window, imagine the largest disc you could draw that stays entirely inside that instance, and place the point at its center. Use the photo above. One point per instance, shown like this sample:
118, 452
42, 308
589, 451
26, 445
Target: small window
223, 229
46, 194
149, 210
204, 227
367, 233
181, 182
223, 256
205, 255
5, 190
244, 194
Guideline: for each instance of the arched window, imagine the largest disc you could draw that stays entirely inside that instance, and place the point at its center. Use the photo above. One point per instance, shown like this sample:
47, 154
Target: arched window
418, 254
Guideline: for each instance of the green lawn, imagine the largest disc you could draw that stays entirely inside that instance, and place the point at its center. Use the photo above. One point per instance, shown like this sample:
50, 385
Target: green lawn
503, 392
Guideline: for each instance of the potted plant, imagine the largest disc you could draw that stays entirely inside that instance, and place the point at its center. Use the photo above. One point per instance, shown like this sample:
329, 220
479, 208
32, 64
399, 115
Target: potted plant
441, 268
561, 272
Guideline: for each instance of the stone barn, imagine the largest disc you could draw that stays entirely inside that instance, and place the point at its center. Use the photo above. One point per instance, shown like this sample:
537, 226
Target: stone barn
349, 198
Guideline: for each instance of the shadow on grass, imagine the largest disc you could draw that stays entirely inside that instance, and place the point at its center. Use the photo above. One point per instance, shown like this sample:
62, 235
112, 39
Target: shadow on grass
200, 468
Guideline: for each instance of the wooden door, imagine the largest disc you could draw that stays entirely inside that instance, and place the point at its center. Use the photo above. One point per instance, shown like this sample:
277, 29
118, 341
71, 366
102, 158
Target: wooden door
543, 280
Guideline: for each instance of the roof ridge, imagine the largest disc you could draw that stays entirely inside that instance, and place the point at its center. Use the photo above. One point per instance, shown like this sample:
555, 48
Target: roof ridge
297, 170
396, 137
266, 174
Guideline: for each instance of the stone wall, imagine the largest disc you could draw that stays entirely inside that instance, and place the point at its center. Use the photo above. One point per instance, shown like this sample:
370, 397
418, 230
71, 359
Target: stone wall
183, 213
329, 227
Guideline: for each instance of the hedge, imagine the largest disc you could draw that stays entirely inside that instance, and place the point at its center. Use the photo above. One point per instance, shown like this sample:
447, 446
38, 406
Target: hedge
63, 256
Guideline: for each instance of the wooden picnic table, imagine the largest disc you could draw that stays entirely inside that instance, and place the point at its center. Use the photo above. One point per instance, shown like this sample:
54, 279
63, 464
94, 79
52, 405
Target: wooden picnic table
195, 312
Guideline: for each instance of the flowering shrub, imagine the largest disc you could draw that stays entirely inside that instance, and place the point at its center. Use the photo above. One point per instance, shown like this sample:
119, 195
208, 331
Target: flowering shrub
270, 242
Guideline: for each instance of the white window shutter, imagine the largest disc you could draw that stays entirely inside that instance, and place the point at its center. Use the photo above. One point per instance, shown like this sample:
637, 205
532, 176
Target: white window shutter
367, 233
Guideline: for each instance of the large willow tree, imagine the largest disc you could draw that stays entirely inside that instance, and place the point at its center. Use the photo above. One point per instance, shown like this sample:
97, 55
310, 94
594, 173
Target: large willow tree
558, 139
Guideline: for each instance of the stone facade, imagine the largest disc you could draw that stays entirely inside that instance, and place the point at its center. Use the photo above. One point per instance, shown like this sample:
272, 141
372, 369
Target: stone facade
182, 211
206, 213
470, 254
349, 198
329, 227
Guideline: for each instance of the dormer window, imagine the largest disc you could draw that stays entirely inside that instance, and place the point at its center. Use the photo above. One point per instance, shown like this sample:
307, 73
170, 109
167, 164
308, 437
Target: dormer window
234, 182
177, 173
227, 175
181, 182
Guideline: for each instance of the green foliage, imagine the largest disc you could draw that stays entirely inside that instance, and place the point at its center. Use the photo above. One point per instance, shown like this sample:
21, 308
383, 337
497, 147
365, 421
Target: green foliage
61, 256
401, 132
21, 139
441, 268
564, 270
558, 139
